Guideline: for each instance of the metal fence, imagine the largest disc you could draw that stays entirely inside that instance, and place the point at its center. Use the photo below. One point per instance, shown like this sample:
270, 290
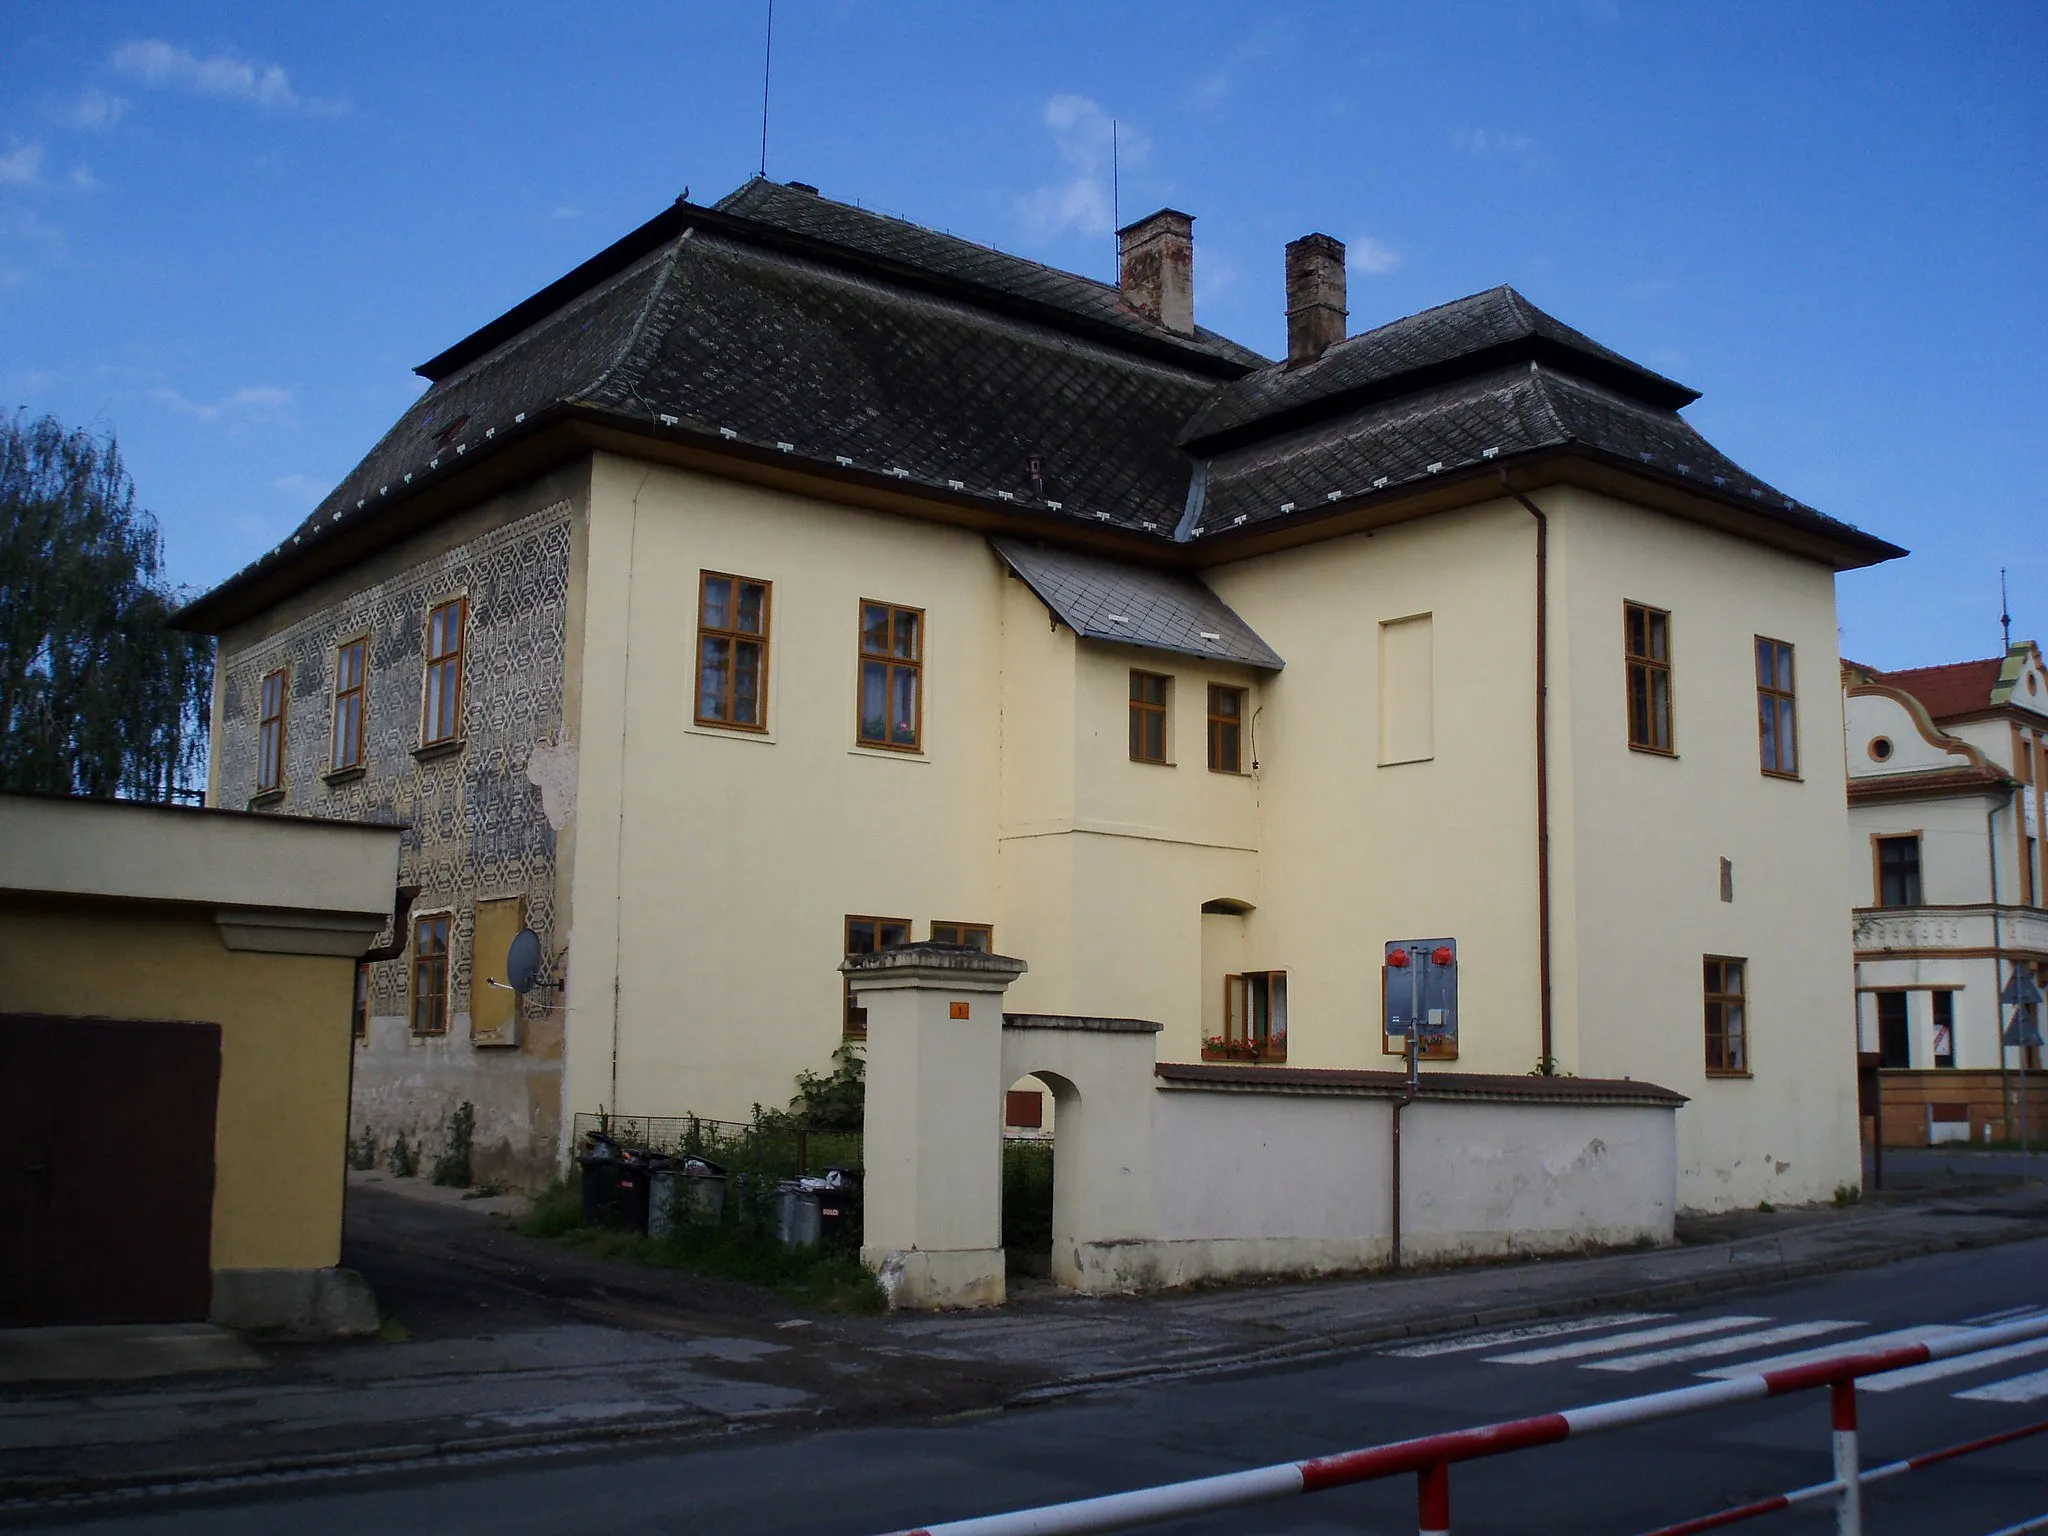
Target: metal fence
770, 1148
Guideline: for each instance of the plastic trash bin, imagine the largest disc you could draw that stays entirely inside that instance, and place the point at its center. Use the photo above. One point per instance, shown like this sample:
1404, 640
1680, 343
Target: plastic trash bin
689, 1193
839, 1211
797, 1215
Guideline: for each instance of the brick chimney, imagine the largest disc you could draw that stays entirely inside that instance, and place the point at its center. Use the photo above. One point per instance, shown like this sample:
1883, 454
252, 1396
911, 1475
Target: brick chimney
1315, 297
1156, 268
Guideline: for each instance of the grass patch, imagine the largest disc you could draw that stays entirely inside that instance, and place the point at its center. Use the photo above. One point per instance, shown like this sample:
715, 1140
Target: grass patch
826, 1277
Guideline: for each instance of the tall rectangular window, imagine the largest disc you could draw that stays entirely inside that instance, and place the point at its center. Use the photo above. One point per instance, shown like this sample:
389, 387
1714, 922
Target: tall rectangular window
1894, 1033
1255, 1016
1777, 715
270, 731
1226, 729
441, 717
1149, 693
732, 651
867, 936
1898, 871
359, 1007
891, 676
979, 936
1727, 1017
1944, 1028
430, 974
346, 749
1646, 635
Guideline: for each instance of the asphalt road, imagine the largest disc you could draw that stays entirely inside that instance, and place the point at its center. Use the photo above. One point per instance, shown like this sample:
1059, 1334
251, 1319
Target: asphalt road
858, 1482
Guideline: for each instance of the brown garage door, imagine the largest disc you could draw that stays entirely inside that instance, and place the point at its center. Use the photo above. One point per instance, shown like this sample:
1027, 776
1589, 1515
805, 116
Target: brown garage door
106, 1169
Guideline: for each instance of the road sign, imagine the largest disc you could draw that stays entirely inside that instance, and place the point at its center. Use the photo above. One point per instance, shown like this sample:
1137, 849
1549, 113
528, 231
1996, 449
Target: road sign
2021, 990
2023, 1030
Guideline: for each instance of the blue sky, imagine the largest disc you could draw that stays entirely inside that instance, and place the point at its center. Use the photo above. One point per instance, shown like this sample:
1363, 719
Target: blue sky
227, 233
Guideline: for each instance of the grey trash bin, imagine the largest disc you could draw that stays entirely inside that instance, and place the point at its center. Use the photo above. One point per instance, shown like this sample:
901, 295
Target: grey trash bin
689, 1193
797, 1217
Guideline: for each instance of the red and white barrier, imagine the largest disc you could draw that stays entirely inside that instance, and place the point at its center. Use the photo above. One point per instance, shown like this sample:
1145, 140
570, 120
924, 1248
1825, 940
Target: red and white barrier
1429, 1457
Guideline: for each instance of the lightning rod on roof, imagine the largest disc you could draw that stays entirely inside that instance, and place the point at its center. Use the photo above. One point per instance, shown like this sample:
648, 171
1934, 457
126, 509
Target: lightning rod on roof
767, 62
1116, 217
2004, 615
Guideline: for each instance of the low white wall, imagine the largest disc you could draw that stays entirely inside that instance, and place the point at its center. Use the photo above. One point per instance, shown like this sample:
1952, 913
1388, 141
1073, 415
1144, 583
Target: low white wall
1256, 1183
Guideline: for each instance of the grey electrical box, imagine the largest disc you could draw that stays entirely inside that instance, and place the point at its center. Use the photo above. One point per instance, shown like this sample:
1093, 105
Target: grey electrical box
1419, 991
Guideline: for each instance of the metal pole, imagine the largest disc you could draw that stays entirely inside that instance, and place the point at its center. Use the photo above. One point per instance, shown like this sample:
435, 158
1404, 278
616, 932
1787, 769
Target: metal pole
1849, 1502
1433, 1499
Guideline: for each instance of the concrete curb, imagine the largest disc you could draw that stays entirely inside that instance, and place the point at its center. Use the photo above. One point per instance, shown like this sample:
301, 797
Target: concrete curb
23, 1493
1326, 1345
26, 1493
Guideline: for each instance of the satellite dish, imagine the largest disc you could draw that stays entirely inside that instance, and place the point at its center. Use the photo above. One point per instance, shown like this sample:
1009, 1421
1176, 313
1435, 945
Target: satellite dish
523, 961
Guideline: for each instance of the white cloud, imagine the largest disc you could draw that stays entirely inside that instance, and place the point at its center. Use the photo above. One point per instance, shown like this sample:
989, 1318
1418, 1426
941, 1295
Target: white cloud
251, 402
97, 109
1085, 201
1369, 257
83, 178
156, 62
566, 211
21, 166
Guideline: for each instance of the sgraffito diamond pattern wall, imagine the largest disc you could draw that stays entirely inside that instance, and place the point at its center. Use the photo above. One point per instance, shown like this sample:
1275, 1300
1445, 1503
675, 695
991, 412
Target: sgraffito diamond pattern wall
475, 828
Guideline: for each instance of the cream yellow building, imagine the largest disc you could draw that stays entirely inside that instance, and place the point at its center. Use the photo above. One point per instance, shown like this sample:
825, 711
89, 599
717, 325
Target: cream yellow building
174, 1061
790, 581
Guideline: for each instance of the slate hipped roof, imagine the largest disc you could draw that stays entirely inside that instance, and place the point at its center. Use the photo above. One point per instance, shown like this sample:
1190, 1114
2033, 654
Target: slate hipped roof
795, 328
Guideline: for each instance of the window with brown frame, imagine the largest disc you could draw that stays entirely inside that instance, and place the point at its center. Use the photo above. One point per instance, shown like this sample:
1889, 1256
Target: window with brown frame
346, 749
430, 974
1149, 694
359, 1008
270, 731
1898, 871
1254, 1019
732, 651
441, 714
1944, 1004
1777, 709
1727, 1017
891, 676
1226, 729
981, 936
1646, 637
868, 936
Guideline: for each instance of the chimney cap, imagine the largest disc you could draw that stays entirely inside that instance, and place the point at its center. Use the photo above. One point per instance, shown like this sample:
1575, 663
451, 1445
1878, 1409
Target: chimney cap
1152, 218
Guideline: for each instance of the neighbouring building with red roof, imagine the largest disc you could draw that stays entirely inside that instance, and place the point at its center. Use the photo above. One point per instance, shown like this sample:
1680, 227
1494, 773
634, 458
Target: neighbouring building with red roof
1948, 795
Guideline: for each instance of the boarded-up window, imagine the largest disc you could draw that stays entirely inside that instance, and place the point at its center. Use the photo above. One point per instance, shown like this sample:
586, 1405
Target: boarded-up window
1024, 1108
494, 1010
1407, 690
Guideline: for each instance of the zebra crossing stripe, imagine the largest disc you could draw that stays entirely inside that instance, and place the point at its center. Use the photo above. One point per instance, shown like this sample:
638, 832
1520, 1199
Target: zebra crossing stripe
1863, 1346
1616, 1343
1737, 1344
1469, 1341
2019, 1389
1935, 1370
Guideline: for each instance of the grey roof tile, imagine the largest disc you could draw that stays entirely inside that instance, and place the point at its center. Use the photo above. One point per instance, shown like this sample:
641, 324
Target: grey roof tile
1103, 599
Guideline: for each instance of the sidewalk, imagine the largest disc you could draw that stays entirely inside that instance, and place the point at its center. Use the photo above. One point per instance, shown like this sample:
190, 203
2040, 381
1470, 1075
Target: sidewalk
516, 1343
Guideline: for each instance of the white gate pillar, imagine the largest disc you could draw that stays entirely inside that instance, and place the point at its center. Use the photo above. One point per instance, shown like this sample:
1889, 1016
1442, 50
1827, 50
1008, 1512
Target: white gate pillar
933, 1138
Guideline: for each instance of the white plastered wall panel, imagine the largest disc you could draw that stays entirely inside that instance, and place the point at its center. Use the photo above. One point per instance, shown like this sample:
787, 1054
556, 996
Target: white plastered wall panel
1639, 837
722, 904
1354, 854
